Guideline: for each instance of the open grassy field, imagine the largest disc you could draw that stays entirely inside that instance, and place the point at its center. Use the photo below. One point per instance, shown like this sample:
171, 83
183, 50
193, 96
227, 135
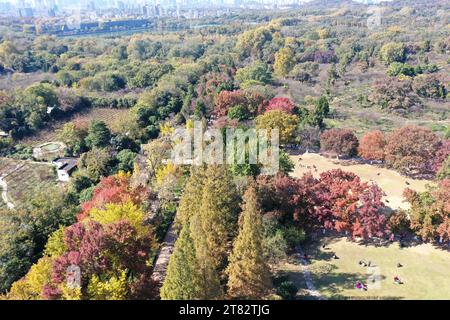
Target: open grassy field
347, 112
390, 181
22, 178
425, 271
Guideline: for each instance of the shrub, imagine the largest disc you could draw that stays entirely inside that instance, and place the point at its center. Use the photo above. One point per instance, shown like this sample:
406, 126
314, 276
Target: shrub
287, 290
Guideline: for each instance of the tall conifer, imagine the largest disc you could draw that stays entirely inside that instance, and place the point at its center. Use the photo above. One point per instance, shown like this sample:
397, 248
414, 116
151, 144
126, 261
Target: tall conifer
248, 272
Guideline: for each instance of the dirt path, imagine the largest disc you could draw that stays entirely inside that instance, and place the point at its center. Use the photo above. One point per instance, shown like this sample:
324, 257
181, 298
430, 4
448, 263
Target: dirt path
4, 188
160, 269
312, 291
390, 181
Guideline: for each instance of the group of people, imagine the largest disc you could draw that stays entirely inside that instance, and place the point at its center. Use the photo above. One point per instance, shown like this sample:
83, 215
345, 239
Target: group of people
361, 286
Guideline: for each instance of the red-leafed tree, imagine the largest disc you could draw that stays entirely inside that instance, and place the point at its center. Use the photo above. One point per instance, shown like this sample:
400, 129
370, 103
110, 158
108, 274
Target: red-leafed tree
338, 200
283, 104
370, 221
113, 189
251, 101
371, 145
342, 189
341, 142
441, 155
412, 149
103, 250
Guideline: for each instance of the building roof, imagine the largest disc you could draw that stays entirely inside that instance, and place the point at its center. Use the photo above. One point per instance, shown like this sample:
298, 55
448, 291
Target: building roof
66, 164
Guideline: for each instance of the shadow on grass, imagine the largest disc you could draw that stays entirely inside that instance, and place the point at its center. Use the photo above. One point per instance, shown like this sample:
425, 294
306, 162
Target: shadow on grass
334, 284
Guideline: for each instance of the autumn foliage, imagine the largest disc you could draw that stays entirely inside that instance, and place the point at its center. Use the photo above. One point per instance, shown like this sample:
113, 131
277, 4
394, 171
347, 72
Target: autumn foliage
338, 200
341, 142
371, 145
412, 150
430, 211
113, 189
252, 101
283, 104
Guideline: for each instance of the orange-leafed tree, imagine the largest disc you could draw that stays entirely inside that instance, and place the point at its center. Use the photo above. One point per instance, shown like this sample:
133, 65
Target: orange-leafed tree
371, 145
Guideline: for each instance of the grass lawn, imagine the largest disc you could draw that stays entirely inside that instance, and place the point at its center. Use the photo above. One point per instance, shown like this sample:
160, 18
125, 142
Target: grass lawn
425, 271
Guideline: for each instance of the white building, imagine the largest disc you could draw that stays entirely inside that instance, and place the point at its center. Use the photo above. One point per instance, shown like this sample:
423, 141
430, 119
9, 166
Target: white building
65, 167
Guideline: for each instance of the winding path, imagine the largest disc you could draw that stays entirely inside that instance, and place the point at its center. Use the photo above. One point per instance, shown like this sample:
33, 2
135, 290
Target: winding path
307, 275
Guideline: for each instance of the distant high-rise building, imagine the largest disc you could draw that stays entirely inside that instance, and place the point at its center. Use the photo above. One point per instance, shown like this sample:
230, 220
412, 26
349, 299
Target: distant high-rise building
26, 12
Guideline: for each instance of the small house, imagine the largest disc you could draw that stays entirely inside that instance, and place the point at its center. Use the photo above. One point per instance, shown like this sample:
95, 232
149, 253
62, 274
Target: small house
65, 167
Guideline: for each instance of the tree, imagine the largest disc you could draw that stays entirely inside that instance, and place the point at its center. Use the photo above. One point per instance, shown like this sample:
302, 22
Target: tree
208, 280
429, 86
277, 119
444, 171
251, 101
217, 215
286, 164
44, 93
393, 52
238, 112
256, 71
283, 104
342, 142
395, 96
441, 157
182, 279
192, 196
98, 135
96, 163
156, 151
371, 145
430, 211
411, 150
30, 287
24, 233
284, 61
126, 159
73, 136
113, 189
248, 272
399, 222
318, 113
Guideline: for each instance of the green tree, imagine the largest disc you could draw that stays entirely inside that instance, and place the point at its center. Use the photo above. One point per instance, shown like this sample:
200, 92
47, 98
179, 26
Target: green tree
126, 159
73, 137
180, 282
248, 272
256, 71
98, 135
96, 163
393, 52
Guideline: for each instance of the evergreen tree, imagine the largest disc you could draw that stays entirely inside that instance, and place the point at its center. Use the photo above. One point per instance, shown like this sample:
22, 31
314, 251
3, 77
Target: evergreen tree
181, 282
98, 135
249, 274
207, 277
218, 212
192, 196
